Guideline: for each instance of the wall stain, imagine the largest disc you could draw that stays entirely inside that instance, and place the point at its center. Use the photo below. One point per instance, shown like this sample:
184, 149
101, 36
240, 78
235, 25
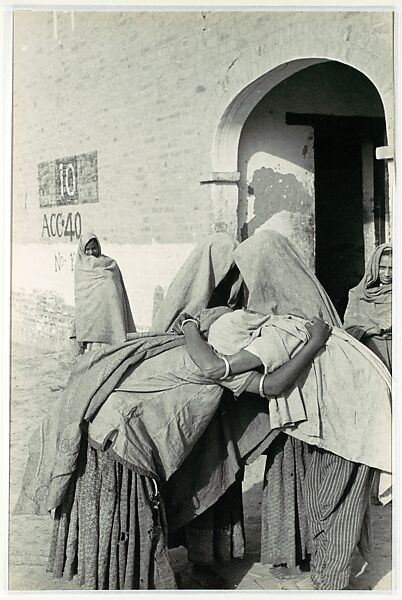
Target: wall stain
273, 193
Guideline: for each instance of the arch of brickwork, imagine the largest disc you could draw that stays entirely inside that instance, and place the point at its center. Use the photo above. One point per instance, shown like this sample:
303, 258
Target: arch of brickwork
362, 41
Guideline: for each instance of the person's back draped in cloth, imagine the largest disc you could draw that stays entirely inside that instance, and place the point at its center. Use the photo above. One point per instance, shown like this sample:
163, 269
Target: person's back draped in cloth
285, 534
218, 534
331, 491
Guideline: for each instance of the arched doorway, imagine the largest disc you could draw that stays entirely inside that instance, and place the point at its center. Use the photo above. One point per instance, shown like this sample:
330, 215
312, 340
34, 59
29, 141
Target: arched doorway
306, 140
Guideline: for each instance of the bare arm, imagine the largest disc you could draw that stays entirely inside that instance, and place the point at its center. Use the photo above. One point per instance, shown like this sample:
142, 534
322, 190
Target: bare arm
209, 363
283, 378
213, 367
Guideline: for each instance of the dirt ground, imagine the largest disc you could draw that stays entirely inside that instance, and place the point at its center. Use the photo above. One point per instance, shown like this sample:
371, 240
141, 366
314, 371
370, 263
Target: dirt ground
37, 379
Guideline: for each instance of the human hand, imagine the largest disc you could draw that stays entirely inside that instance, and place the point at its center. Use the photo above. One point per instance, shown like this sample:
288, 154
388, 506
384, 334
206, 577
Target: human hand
177, 325
319, 331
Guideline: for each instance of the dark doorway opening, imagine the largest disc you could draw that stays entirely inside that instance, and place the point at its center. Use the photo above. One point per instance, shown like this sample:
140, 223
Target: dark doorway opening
349, 197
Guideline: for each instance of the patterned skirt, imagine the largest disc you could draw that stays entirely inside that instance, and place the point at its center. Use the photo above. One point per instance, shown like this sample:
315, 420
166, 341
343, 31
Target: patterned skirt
110, 530
217, 535
285, 537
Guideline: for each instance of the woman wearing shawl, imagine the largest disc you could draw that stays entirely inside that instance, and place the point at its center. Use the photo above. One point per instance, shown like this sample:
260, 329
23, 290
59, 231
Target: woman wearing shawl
144, 415
338, 478
208, 278
368, 315
110, 525
102, 309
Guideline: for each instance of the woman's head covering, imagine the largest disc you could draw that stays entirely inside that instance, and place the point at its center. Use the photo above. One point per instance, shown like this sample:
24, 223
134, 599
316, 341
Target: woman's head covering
102, 309
369, 309
278, 281
369, 287
84, 239
207, 278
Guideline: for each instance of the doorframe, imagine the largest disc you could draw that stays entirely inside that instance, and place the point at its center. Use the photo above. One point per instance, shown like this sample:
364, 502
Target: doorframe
225, 176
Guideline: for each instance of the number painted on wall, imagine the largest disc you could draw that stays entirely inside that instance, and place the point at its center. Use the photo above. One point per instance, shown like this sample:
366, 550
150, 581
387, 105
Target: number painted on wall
69, 180
60, 225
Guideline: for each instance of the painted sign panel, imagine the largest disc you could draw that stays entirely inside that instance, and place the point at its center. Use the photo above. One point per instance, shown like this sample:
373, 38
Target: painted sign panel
69, 180
57, 225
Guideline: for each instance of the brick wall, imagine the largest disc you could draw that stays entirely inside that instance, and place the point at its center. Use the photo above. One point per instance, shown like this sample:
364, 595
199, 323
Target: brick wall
147, 91
40, 318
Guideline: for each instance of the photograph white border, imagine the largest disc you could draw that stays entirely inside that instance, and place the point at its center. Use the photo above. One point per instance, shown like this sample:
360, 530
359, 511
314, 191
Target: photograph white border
6, 11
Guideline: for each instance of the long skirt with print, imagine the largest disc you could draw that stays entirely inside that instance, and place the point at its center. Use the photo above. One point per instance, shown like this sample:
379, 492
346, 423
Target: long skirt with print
110, 530
285, 536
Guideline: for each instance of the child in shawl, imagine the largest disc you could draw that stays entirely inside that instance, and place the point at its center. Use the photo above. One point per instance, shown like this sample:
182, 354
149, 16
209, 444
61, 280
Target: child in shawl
369, 311
102, 310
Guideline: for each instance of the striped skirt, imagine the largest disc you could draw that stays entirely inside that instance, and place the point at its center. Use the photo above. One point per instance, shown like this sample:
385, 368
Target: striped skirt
337, 495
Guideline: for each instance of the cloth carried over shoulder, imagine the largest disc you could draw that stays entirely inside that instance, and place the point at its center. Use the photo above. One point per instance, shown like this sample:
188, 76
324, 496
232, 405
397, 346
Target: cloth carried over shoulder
93, 381
54, 447
346, 393
102, 308
370, 305
161, 429
278, 281
207, 278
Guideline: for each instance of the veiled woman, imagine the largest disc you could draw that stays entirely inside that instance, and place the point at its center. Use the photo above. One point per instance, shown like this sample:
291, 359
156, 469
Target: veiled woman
368, 315
102, 309
141, 416
337, 482
110, 525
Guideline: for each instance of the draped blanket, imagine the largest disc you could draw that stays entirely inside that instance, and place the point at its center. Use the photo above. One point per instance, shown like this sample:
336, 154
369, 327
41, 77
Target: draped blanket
346, 393
169, 424
55, 445
278, 281
361, 316
102, 308
200, 276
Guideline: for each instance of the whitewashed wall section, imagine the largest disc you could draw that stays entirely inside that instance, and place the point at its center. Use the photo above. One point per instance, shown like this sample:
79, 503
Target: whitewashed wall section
44, 274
